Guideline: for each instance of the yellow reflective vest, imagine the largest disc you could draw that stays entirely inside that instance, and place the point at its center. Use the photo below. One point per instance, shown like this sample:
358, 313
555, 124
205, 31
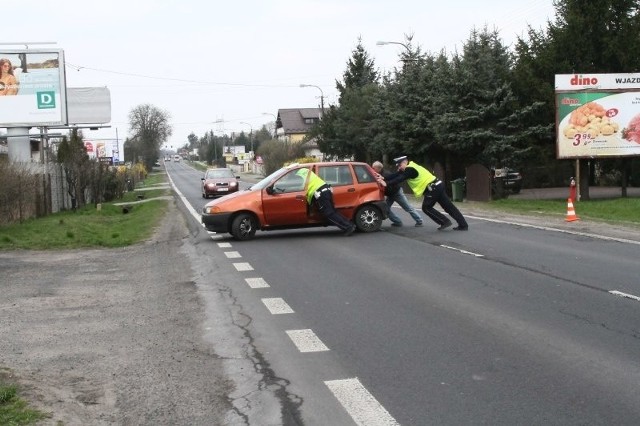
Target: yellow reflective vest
315, 182
419, 184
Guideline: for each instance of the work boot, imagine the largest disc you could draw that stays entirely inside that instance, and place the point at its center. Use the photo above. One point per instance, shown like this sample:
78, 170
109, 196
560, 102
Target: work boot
445, 225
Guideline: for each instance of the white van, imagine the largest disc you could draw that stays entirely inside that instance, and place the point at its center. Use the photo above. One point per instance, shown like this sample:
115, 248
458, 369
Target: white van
176, 157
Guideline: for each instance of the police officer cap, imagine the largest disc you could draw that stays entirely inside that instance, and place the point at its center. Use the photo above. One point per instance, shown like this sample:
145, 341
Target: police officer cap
399, 159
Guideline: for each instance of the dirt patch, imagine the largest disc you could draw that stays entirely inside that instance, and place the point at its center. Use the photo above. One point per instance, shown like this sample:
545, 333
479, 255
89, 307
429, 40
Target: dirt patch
111, 336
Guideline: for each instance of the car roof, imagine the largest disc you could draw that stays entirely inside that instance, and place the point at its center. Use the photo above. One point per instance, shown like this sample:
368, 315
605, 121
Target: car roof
325, 163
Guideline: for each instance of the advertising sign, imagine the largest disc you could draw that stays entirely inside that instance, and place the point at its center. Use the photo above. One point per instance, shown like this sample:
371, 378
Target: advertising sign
32, 88
597, 115
103, 149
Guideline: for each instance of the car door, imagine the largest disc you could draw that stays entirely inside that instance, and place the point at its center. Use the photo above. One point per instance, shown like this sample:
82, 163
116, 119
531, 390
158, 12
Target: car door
287, 203
340, 178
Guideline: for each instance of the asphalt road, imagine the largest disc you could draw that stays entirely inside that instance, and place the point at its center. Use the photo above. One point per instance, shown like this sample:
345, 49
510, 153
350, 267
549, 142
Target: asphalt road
521, 320
509, 323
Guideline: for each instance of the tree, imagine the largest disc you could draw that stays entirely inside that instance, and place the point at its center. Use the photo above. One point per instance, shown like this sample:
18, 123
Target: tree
406, 105
483, 119
72, 154
346, 130
150, 128
275, 153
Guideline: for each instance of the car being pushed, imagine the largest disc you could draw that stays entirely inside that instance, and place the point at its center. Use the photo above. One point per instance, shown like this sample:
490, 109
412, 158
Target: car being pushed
279, 201
218, 182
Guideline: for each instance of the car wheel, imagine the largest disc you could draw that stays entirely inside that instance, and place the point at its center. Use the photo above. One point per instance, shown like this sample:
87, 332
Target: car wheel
368, 218
244, 227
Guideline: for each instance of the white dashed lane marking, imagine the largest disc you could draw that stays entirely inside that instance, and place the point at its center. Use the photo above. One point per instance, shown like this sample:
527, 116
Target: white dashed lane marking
306, 341
224, 245
232, 254
277, 306
256, 282
243, 266
363, 408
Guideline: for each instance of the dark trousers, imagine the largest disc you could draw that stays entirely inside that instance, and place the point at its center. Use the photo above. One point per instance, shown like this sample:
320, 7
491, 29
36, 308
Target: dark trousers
328, 210
438, 195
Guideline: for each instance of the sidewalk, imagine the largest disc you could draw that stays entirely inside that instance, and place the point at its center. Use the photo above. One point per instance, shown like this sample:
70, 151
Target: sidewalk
595, 192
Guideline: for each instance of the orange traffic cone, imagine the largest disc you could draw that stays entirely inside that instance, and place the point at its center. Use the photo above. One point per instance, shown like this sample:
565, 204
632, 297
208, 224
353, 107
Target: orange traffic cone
571, 213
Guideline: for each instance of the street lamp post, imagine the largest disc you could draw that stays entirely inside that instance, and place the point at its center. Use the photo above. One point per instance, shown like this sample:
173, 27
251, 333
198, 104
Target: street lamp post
275, 123
321, 95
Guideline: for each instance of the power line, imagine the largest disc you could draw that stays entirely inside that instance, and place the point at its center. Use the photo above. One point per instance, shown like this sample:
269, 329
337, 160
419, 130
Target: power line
80, 67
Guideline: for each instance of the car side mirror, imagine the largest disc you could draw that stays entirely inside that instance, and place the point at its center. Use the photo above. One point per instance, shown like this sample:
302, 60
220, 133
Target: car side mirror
237, 177
270, 190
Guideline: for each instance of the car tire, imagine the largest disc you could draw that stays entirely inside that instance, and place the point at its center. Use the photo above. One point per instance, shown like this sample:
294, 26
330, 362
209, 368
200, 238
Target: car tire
368, 218
244, 227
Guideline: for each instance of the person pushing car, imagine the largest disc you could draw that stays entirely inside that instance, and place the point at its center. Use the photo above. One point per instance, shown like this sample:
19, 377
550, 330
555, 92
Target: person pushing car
423, 182
320, 192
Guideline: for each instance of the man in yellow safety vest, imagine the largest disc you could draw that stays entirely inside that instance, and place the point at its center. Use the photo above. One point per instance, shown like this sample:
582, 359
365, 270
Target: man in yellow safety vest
319, 191
423, 182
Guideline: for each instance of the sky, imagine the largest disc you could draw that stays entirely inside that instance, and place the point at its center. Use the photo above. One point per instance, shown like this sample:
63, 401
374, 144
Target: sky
228, 66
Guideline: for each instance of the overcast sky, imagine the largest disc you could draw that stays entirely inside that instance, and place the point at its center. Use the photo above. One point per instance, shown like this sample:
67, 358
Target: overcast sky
233, 61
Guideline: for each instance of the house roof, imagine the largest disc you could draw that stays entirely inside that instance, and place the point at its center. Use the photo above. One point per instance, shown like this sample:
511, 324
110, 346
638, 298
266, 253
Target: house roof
292, 120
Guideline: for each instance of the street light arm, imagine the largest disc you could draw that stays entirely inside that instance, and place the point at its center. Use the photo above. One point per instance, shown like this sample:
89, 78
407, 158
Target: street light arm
321, 95
384, 43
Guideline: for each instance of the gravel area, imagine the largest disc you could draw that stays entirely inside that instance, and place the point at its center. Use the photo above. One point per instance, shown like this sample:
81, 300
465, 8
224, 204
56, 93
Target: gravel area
118, 336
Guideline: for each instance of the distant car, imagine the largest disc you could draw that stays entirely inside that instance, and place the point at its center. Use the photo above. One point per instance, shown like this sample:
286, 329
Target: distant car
511, 180
176, 158
219, 182
279, 201
167, 158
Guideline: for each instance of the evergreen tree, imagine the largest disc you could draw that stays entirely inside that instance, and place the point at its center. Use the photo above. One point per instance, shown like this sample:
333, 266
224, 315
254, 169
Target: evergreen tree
76, 165
346, 130
483, 120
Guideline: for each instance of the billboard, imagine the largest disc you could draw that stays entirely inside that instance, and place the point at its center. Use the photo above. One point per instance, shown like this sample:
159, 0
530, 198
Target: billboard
32, 88
597, 115
88, 105
108, 148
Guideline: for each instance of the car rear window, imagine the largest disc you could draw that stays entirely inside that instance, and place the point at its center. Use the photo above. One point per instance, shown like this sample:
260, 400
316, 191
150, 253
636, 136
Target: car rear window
363, 174
336, 175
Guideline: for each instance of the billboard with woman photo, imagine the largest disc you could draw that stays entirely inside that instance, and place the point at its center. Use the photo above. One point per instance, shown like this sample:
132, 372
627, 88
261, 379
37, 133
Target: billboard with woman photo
32, 88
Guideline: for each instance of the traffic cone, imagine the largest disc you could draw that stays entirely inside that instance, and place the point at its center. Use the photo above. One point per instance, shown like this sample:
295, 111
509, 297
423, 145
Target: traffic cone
571, 213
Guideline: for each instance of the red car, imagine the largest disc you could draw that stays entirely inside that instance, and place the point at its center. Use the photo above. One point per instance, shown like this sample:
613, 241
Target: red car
219, 182
279, 201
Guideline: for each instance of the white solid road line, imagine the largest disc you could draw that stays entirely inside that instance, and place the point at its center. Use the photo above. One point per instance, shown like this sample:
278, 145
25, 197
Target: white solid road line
363, 408
277, 306
564, 231
626, 295
306, 341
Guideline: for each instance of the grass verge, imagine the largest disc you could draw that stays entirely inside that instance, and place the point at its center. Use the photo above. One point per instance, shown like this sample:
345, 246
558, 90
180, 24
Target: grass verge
111, 226
13, 409
618, 210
